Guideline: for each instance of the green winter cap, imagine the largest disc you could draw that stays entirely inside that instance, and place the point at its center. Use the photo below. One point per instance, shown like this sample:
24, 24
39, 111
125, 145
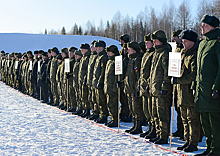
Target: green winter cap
159, 35
65, 50
148, 37
78, 52
59, 57
93, 42
29, 52
135, 46
100, 43
211, 20
72, 49
85, 46
113, 49
176, 33
54, 49
45, 54
125, 38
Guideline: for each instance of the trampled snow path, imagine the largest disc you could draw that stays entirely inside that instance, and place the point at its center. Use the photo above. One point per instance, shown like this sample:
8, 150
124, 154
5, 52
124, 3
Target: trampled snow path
28, 127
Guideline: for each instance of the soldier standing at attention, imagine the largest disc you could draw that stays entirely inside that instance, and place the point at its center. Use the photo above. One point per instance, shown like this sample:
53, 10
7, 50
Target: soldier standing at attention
206, 84
98, 80
110, 87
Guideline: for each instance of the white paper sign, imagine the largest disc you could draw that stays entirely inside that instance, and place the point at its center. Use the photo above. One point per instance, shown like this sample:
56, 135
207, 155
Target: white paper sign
38, 66
118, 65
174, 68
8, 63
31, 65
2, 63
16, 64
67, 65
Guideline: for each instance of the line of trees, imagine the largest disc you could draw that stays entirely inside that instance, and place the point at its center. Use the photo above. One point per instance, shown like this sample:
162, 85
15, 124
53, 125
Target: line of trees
168, 19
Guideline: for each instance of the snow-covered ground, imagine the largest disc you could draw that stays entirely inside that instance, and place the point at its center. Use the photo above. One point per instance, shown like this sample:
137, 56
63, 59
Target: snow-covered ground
29, 127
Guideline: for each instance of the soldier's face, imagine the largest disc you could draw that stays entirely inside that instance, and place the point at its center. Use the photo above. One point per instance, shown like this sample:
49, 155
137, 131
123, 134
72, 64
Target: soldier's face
157, 42
131, 51
109, 53
71, 54
83, 51
92, 47
148, 44
63, 55
77, 57
54, 54
187, 44
49, 54
206, 28
99, 49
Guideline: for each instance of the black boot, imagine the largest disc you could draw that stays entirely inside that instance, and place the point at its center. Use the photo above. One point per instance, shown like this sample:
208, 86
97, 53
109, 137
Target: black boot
86, 113
190, 148
178, 133
134, 124
138, 128
77, 112
152, 134
182, 147
147, 132
101, 120
206, 152
93, 117
161, 141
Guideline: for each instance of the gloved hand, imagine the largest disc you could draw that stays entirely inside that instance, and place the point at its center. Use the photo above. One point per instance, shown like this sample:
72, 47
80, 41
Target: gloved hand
100, 85
138, 87
119, 84
215, 94
147, 90
173, 80
163, 92
67, 76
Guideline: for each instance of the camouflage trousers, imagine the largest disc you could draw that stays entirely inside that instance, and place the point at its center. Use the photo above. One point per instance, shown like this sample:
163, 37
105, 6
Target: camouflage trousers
71, 95
147, 108
161, 113
112, 103
93, 104
30, 87
136, 107
101, 101
191, 124
78, 99
124, 104
179, 119
54, 92
84, 91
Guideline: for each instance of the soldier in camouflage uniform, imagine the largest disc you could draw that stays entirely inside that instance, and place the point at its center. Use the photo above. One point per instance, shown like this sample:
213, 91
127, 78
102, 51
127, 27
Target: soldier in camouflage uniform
59, 82
124, 113
98, 80
91, 89
144, 84
10, 70
69, 77
110, 88
78, 56
160, 88
48, 77
53, 71
185, 96
23, 73
2, 64
179, 47
83, 87
34, 75
130, 87
16, 70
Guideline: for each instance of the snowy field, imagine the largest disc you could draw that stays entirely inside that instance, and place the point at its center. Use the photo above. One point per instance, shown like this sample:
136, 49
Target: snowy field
29, 127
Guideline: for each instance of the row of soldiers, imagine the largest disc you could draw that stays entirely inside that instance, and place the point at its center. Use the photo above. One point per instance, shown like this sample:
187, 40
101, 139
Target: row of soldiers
91, 83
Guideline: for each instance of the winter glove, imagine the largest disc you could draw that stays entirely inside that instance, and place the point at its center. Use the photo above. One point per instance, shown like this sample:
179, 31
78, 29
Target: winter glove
215, 94
147, 90
163, 92
67, 76
173, 80
100, 85
138, 87
119, 84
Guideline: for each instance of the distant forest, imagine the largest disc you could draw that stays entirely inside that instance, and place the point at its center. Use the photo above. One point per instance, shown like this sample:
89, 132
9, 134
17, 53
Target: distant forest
168, 19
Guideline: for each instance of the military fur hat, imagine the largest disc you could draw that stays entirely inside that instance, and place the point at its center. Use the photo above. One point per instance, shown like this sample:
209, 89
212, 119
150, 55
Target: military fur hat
135, 46
72, 49
100, 43
40, 52
142, 46
25, 55
160, 35
78, 52
2, 52
45, 54
19, 55
125, 38
54, 49
36, 52
189, 35
49, 50
148, 37
114, 49
211, 20
85, 46
93, 42
65, 50
29, 52
176, 33
59, 57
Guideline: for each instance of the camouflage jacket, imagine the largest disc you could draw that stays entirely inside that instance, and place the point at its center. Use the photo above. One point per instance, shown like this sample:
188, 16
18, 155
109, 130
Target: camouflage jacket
70, 80
145, 71
188, 68
99, 68
53, 69
179, 47
132, 74
83, 67
91, 65
58, 72
75, 73
110, 77
159, 79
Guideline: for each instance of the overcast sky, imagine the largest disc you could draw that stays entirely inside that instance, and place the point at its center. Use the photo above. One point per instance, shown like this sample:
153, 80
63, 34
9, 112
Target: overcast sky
34, 16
